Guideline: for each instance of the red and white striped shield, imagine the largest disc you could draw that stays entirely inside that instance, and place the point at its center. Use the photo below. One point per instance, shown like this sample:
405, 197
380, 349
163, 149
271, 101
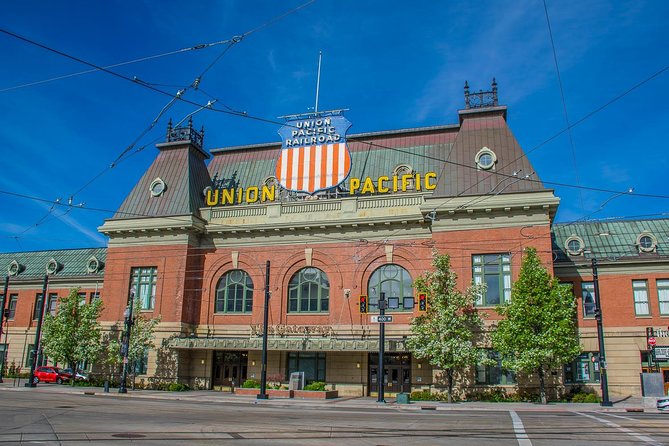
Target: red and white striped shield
314, 155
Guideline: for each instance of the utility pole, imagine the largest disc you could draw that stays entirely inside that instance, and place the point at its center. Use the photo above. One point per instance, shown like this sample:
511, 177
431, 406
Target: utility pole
600, 337
382, 347
5, 299
125, 345
263, 372
38, 332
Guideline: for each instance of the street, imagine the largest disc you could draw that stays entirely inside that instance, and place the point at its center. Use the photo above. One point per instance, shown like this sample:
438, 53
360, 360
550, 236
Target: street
29, 417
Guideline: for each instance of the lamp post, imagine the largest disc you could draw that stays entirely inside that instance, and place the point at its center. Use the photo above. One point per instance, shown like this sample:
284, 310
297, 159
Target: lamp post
5, 299
125, 346
600, 338
263, 372
382, 345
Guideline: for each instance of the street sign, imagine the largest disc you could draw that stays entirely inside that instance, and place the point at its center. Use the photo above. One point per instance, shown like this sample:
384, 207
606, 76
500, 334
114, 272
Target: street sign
377, 319
652, 342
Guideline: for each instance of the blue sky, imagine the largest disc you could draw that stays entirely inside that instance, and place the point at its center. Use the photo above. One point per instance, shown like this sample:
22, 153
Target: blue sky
393, 64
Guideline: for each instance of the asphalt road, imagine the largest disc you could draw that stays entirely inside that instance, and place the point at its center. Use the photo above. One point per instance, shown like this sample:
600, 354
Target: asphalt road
74, 419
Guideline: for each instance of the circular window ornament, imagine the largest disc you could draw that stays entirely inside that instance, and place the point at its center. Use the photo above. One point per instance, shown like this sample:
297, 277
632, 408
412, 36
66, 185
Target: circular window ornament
485, 159
574, 245
402, 169
14, 268
157, 187
93, 265
646, 242
52, 267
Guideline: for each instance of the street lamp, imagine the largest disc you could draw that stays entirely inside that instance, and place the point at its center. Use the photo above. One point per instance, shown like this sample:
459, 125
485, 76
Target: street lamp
5, 299
600, 338
125, 346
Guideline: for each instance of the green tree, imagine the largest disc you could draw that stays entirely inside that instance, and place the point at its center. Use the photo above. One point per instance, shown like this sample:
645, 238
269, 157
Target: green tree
141, 339
73, 335
539, 331
446, 333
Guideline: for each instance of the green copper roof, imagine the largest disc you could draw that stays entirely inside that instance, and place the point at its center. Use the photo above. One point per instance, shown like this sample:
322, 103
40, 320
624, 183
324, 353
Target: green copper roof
71, 262
612, 239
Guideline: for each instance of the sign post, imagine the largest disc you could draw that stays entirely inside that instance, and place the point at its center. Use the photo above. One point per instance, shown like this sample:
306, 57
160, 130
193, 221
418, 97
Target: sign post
382, 345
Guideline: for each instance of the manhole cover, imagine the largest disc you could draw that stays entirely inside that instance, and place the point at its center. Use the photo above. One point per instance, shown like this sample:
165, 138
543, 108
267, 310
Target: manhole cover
128, 435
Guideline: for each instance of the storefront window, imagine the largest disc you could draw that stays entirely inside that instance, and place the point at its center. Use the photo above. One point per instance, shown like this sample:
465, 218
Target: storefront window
311, 363
309, 291
234, 293
397, 286
584, 369
494, 374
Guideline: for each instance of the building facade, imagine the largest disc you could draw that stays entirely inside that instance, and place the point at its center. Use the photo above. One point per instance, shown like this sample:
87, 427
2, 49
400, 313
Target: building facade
204, 235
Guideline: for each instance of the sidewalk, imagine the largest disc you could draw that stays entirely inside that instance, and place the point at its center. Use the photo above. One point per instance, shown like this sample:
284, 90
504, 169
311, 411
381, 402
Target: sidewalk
628, 404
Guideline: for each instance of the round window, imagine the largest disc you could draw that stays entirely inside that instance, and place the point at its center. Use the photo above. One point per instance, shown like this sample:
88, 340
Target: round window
574, 245
646, 242
157, 187
485, 159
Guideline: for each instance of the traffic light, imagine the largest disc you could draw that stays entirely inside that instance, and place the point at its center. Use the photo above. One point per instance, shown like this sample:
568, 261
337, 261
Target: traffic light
422, 302
363, 303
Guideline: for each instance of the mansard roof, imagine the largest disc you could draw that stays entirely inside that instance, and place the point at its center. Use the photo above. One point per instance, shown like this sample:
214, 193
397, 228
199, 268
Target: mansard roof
450, 151
611, 239
70, 263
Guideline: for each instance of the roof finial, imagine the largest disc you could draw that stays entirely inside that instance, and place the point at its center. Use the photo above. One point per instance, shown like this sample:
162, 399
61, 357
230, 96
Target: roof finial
169, 129
466, 95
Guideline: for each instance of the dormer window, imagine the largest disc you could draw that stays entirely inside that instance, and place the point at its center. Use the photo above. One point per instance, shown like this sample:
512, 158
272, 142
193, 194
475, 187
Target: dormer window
157, 187
574, 245
485, 159
52, 267
14, 268
646, 242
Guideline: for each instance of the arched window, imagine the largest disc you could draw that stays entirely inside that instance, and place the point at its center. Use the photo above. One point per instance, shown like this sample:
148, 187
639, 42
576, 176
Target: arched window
234, 293
395, 282
309, 291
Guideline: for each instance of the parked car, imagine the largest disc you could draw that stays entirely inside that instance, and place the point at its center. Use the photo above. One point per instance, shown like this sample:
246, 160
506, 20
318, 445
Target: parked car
663, 404
49, 374
80, 375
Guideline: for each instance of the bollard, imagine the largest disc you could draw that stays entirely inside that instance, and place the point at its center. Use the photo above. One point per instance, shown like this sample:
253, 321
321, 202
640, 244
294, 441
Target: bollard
106, 386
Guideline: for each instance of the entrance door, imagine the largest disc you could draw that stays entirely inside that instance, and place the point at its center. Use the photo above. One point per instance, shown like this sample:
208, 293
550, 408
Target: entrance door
396, 376
230, 368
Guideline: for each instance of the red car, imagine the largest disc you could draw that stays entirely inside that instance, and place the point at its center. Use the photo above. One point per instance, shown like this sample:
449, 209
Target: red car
49, 374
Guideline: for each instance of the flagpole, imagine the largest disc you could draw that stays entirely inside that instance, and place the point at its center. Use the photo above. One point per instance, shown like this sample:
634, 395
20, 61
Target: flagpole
318, 81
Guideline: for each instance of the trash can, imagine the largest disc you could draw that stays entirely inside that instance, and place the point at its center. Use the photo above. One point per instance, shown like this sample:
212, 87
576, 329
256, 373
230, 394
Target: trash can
403, 398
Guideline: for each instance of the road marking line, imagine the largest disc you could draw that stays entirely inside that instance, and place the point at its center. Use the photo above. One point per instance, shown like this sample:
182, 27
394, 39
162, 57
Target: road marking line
629, 432
518, 427
620, 416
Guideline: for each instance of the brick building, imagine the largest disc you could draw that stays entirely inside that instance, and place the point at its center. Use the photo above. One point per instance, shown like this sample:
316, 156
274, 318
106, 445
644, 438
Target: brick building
193, 238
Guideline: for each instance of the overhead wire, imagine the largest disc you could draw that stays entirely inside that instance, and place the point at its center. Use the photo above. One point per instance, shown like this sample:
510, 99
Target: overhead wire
564, 105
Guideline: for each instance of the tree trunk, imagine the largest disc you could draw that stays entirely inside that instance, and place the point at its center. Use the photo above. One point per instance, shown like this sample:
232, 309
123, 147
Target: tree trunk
542, 386
449, 374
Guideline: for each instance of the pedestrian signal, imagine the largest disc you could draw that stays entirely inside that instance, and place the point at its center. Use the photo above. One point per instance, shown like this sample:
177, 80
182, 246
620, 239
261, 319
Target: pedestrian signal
363, 303
422, 302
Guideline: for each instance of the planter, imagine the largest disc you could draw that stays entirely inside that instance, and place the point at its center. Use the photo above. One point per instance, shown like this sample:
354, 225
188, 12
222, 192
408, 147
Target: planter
280, 393
316, 394
243, 391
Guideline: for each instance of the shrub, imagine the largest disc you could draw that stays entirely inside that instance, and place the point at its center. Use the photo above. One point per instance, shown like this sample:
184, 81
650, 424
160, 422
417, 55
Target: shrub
494, 395
251, 384
178, 387
583, 397
316, 385
426, 395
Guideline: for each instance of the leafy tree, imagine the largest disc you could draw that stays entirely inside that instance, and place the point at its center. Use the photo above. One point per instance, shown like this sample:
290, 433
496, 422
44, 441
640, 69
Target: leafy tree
539, 332
73, 335
141, 339
446, 333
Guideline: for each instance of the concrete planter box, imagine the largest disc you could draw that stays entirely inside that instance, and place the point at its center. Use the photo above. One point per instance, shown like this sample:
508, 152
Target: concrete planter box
250, 392
280, 393
316, 394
